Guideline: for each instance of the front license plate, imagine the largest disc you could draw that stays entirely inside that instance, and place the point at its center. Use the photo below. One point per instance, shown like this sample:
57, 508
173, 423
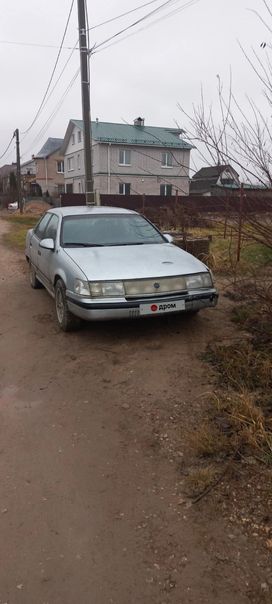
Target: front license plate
161, 307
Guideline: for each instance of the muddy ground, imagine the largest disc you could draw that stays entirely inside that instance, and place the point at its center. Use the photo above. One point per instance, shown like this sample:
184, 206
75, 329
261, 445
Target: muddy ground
93, 508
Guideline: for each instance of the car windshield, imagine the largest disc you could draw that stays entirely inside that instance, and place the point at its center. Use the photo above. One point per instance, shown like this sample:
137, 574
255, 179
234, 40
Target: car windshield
108, 229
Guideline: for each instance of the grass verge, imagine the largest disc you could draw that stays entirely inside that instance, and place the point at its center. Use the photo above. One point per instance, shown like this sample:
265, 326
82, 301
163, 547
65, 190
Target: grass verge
223, 252
19, 226
239, 423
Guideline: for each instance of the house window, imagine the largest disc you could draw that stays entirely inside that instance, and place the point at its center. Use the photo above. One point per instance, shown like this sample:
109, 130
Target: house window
167, 160
60, 166
73, 139
69, 188
79, 136
70, 163
61, 189
166, 190
124, 188
125, 157
78, 161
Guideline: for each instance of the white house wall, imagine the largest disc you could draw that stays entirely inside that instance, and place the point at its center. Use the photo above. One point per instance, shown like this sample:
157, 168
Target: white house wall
145, 174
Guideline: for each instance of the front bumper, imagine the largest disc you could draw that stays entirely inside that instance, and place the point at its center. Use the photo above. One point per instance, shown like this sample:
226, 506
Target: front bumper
102, 310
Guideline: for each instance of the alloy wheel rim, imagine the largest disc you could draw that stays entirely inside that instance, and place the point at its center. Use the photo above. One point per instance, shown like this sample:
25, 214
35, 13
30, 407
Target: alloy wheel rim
59, 306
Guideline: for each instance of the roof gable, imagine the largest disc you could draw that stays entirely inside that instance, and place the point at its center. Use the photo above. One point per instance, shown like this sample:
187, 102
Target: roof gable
51, 146
213, 172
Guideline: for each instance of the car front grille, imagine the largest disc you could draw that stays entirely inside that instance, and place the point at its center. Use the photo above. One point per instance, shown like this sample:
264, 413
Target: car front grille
162, 286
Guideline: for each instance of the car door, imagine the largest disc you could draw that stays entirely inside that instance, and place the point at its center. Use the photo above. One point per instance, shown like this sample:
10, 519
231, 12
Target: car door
46, 258
37, 235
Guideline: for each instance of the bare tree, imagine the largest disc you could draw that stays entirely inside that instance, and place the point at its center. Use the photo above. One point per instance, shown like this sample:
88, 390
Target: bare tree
241, 136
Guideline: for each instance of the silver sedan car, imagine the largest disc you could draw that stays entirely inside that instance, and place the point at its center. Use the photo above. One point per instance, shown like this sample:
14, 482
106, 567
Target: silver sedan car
103, 263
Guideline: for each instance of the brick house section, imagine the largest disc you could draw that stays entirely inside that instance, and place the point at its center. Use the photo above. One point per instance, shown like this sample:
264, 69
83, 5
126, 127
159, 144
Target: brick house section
50, 167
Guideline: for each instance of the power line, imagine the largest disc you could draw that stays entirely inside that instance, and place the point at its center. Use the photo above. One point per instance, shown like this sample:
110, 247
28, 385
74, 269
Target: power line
55, 111
8, 146
171, 13
147, 16
111, 20
53, 72
36, 45
61, 73
133, 10
53, 114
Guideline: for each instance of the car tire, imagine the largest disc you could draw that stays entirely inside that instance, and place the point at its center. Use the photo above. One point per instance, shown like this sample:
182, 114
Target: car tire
34, 282
65, 319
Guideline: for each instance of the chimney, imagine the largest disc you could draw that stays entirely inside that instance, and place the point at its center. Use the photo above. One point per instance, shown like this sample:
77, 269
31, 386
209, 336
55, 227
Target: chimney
139, 121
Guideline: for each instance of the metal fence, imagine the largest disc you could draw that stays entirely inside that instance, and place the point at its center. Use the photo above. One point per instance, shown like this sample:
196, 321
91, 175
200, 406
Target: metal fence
252, 202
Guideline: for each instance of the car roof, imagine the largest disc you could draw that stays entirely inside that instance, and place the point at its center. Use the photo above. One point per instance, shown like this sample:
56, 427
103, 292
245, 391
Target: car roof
81, 210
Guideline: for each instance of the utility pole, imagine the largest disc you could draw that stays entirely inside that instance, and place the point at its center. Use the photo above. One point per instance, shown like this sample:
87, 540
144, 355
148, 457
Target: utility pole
18, 162
85, 94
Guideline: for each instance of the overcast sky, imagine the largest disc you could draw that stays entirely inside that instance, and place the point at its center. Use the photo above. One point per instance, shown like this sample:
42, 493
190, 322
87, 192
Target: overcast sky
146, 74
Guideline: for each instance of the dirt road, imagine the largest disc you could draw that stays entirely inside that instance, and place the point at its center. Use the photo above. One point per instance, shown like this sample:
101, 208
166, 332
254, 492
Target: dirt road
92, 509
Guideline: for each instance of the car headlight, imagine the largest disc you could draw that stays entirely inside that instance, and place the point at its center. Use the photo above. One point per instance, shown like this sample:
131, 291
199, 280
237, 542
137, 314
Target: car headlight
81, 287
106, 289
200, 280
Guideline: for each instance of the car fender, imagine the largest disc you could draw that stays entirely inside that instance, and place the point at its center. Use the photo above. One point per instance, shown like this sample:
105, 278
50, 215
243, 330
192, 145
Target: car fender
60, 274
68, 272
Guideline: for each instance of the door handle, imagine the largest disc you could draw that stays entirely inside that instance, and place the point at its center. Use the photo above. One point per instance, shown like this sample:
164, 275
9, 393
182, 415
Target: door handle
39, 253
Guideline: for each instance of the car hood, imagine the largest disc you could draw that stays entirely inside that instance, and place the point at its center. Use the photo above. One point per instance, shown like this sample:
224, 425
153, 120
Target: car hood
134, 261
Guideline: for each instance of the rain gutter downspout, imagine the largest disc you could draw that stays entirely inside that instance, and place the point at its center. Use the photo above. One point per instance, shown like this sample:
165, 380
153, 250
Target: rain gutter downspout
109, 168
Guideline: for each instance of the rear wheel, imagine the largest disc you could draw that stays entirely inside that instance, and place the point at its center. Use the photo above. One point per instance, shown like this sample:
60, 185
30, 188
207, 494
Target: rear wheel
34, 282
66, 320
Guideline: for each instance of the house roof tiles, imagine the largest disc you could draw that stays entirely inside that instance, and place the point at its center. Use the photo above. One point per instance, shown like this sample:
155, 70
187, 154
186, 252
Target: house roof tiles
129, 134
211, 172
51, 146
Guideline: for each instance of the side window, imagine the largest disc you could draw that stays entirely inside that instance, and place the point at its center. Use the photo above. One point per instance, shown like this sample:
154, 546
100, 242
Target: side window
51, 228
41, 226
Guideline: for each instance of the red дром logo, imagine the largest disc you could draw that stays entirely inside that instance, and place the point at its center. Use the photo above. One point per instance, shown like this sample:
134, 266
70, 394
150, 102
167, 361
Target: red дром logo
154, 307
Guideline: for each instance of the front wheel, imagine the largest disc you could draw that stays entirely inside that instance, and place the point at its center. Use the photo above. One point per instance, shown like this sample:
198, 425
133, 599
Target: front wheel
66, 320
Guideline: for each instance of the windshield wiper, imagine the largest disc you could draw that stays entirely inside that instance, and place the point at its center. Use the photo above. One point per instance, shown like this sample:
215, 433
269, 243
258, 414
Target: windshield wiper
72, 244
119, 244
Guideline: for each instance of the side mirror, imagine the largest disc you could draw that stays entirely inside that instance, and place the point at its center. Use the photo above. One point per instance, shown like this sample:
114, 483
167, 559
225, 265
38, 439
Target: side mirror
47, 244
169, 238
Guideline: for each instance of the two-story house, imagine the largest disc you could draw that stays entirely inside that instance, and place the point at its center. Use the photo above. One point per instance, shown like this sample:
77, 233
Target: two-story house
50, 167
128, 158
